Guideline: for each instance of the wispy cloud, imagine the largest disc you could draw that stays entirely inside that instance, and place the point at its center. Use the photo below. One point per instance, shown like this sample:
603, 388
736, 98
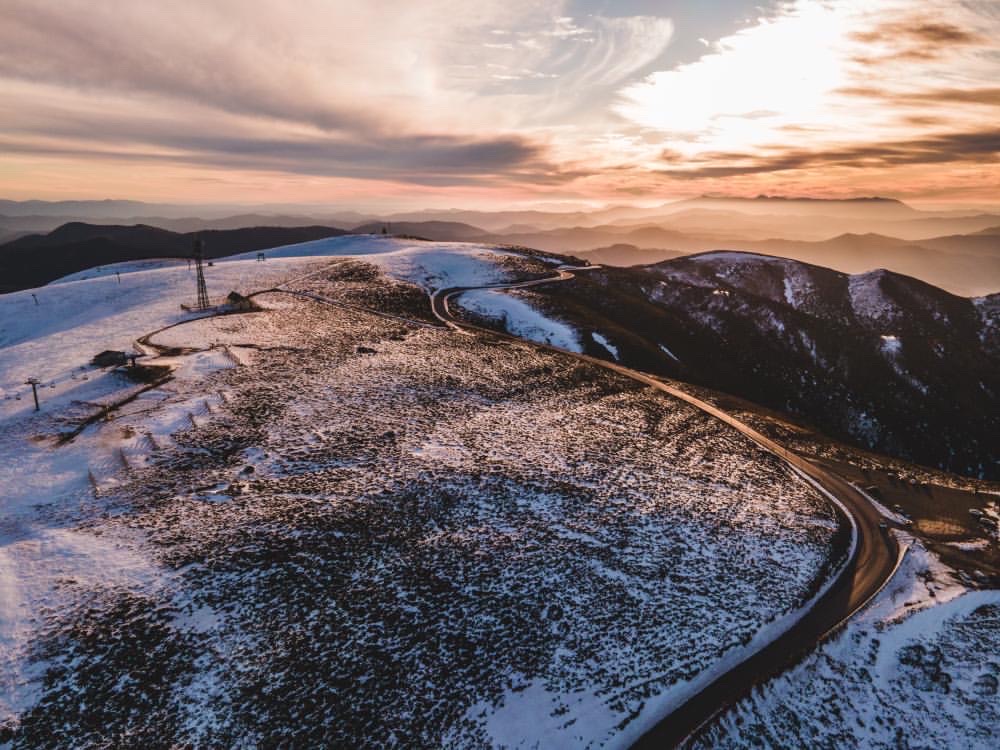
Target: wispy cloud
975, 146
532, 98
825, 86
920, 30
432, 92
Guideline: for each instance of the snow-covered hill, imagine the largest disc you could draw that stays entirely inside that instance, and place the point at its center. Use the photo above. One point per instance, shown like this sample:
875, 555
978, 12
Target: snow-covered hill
919, 668
336, 527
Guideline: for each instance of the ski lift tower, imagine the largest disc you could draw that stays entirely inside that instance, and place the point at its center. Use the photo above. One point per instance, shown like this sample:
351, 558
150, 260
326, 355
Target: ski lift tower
199, 247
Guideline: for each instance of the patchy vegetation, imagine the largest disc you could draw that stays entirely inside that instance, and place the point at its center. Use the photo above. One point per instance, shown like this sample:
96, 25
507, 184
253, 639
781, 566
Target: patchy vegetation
880, 360
419, 531
918, 669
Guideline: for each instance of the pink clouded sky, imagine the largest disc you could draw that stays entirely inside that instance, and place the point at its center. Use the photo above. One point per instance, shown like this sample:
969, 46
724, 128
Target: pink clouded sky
498, 102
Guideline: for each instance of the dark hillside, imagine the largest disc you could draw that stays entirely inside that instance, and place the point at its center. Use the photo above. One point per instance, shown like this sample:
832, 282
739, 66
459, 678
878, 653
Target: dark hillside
37, 259
879, 359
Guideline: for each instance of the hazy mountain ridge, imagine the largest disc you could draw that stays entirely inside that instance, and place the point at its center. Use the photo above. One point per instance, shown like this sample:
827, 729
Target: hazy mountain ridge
887, 209
968, 265
956, 250
625, 254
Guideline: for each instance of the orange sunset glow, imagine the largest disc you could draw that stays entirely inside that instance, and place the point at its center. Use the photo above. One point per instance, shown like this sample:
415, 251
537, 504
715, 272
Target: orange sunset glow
451, 103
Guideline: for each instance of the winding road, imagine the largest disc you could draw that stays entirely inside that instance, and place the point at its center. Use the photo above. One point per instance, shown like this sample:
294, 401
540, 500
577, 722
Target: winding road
873, 558
874, 554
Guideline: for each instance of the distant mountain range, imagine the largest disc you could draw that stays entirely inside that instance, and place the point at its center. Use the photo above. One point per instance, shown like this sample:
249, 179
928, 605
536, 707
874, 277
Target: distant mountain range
624, 254
881, 358
965, 263
968, 265
791, 218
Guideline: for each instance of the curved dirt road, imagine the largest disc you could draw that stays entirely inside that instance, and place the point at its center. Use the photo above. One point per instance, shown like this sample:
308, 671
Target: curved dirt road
873, 560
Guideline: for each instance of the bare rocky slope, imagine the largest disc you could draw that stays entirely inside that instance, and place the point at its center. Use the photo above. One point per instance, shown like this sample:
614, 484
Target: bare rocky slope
880, 359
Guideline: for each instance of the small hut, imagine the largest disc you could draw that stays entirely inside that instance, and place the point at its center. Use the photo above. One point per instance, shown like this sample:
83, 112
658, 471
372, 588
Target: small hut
108, 358
236, 301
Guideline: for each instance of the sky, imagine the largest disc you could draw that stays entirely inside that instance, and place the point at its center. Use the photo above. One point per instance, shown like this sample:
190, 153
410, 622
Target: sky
498, 103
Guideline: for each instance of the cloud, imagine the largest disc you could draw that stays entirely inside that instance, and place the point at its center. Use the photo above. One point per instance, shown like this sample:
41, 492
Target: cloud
440, 90
441, 163
324, 64
188, 53
566, 27
986, 96
975, 147
587, 56
920, 30
798, 90
914, 38
516, 95
223, 141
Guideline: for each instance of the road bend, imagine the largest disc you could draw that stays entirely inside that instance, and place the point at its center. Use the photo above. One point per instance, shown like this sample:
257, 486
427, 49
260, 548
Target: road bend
872, 559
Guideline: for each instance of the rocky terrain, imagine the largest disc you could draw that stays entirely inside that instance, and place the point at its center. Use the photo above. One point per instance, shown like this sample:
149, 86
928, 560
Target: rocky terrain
340, 528
918, 669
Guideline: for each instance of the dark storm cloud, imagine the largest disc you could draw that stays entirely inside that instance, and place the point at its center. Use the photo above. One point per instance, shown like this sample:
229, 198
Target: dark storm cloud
952, 147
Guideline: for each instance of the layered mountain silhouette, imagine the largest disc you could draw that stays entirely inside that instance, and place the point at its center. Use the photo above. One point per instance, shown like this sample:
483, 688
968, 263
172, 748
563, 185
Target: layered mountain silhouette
963, 264
958, 250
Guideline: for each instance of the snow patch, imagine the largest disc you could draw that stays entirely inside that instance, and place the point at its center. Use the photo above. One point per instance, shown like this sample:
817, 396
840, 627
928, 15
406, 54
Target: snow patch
531, 715
892, 348
789, 291
520, 318
971, 545
430, 265
867, 298
891, 345
600, 339
669, 353
923, 654
126, 267
34, 565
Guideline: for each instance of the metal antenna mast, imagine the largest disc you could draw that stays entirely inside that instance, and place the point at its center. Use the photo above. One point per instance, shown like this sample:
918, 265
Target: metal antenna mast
203, 303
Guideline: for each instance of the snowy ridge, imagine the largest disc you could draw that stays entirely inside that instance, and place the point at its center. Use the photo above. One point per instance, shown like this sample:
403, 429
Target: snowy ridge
918, 667
430, 265
850, 353
603, 341
520, 318
119, 268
